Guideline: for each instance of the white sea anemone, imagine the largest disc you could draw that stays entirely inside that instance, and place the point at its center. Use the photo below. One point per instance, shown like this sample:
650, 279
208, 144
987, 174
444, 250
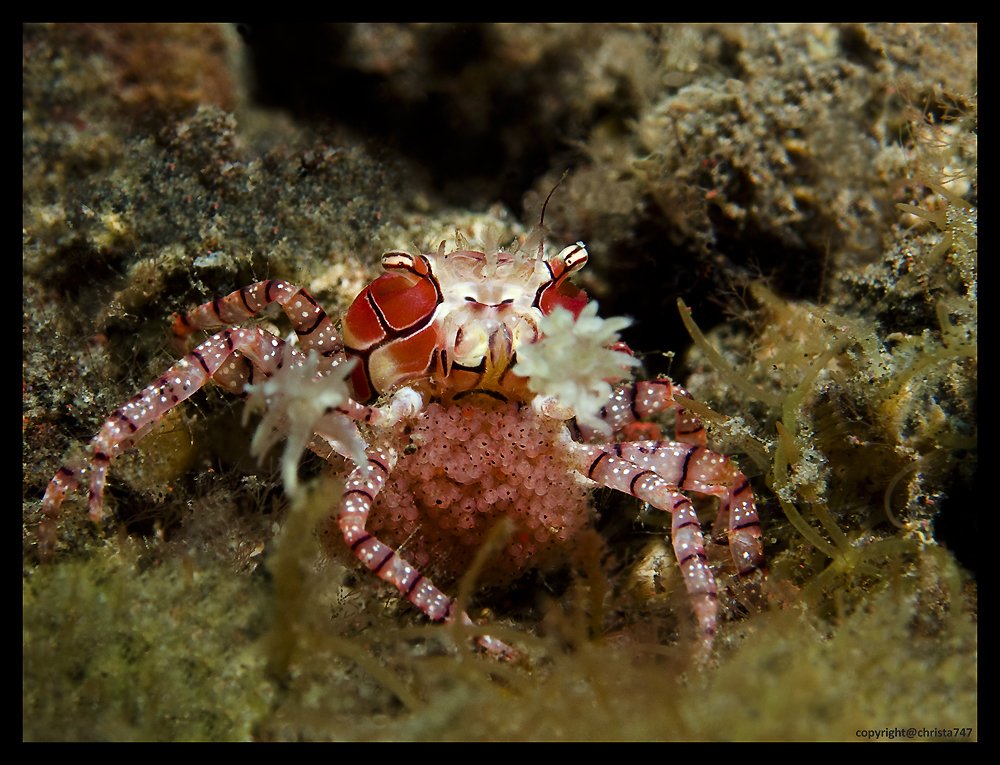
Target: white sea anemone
573, 363
298, 404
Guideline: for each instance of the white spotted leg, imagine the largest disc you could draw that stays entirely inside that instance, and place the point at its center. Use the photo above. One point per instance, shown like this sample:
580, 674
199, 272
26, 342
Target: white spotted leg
216, 357
687, 464
694, 468
606, 466
312, 326
631, 404
136, 418
360, 491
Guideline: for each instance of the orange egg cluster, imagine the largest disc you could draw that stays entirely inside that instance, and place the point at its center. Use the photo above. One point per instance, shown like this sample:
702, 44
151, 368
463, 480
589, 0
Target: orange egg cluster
464, 467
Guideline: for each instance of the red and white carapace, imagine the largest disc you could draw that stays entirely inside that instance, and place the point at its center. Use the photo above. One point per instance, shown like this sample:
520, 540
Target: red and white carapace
460, 439
454, 321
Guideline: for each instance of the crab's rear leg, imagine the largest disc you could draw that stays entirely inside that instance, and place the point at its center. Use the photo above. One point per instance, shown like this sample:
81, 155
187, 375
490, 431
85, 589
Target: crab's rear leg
694, 468
629, 405
606, 466
363, 486
690, 466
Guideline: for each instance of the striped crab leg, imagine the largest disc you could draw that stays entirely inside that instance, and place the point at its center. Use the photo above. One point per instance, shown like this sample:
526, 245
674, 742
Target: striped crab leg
697, 469
137, 416
688, 465
216, 357
363, 486
631, 404
606, 466
313, 327
128, 424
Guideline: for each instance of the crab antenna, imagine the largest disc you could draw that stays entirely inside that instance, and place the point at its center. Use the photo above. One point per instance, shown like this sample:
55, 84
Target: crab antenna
541, 220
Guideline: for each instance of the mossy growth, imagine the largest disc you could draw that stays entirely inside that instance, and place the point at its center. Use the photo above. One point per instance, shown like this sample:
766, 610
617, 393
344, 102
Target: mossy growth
859, 414
118, 649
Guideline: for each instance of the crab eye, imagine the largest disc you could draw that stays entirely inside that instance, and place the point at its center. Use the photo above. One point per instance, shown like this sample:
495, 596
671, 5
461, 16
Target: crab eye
397, 260
560, 291
575, 257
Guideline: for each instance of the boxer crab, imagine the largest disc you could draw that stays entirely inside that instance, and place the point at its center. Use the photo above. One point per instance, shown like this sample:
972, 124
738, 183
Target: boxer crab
466, 386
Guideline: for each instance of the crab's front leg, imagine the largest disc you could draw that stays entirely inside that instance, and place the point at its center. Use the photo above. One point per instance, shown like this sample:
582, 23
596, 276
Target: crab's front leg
131, 422
314, 329
363, 486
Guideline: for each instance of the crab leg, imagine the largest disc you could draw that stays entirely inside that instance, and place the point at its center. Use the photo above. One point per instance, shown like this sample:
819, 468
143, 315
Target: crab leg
132, 421
262, 352
606, 466
363, 486
687, 464
310, 322
213, 358
633, 403
697, 469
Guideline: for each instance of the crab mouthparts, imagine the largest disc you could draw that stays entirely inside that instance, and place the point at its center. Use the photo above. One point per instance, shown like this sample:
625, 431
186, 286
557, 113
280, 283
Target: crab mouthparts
501, 347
